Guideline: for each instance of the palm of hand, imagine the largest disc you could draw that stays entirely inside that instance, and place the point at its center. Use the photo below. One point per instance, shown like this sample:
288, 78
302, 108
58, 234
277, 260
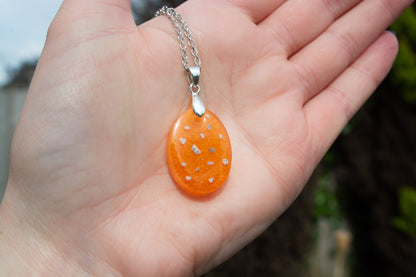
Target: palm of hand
97, 135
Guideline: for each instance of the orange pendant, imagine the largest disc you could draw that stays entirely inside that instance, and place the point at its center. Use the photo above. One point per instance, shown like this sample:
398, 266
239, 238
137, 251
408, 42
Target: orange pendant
198, 152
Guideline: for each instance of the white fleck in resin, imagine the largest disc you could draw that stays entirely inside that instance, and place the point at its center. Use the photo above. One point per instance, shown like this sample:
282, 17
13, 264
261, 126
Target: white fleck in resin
202, 135
209, 127
188, 178
207, 116
195, 149
197, 169
210, 163
211, 180
187, 128
211, 149
220, 136
182, 140
225, 161
183, 164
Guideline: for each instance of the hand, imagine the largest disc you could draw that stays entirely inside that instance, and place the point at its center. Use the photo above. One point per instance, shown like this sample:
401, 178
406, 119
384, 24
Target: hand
89, 189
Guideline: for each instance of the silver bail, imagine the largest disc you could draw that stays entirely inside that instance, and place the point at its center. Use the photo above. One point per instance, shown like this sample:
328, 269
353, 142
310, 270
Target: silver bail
193, 74
197, 105
193, 77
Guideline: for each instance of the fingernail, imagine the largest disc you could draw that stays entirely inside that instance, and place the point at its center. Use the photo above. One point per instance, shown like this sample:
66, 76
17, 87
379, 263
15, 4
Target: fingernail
393, 32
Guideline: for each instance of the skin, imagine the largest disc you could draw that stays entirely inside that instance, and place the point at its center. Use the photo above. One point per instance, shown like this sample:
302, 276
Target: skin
89, 191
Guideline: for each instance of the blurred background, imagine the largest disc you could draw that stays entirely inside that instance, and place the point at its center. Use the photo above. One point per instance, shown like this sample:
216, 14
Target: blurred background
357, 215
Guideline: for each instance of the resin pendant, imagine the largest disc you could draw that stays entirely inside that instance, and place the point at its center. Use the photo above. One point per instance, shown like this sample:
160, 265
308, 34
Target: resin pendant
198, 152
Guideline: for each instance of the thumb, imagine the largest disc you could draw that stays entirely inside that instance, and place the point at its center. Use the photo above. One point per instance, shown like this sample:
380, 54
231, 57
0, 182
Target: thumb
79, 20
100, 11
80, 39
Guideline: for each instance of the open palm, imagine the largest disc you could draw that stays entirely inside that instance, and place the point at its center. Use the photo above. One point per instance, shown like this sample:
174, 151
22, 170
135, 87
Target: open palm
89, 180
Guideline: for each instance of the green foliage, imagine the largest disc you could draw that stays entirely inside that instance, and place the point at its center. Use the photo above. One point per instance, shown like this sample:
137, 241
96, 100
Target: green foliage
325, 200
406, 221
403, 74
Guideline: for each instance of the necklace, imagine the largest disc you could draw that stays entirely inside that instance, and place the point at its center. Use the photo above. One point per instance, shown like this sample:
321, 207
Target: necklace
198, 148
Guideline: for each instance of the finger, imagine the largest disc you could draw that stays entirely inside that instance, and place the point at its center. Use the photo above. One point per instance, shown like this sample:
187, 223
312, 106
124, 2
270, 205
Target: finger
256, 10
330, 54
298, 22
329, 112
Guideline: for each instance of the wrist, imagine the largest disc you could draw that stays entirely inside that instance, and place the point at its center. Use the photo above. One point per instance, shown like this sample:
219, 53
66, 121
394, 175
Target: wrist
26, 252
14, 252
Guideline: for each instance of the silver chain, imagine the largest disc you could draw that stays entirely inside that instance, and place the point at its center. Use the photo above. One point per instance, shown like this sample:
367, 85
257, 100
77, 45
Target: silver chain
193, 72
184, 33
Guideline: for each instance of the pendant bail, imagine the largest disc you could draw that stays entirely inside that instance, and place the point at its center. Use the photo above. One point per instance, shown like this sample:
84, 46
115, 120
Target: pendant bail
197, 105
193, 74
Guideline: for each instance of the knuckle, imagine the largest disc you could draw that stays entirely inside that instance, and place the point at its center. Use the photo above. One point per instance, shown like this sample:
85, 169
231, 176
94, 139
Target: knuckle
335, 7
346, 42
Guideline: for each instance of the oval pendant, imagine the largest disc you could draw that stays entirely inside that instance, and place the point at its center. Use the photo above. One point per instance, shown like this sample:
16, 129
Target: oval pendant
198, 152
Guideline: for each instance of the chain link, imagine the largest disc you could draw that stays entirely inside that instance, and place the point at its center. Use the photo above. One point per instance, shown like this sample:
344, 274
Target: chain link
184, 35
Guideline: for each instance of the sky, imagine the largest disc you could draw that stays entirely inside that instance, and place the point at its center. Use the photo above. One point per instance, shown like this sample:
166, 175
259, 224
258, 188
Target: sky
23, 27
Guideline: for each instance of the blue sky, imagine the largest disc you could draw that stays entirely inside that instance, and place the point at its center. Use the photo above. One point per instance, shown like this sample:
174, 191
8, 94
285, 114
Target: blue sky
23, 27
